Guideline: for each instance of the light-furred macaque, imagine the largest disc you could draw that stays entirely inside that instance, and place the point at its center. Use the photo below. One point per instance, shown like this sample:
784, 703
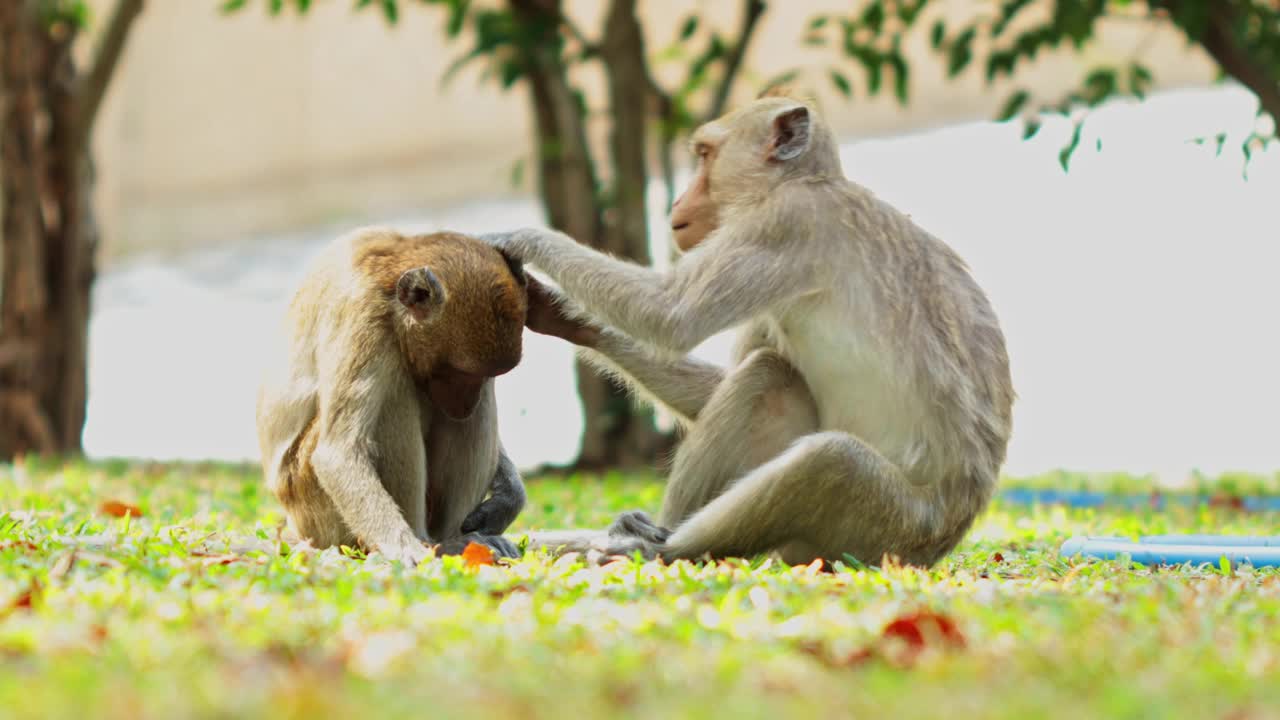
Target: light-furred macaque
868, 407
377, 421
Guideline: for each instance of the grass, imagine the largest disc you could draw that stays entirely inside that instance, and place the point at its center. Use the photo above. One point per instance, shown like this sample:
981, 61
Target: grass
153, 617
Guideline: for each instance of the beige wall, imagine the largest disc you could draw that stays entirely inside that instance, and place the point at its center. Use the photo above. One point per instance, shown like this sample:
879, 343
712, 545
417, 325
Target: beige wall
222, 126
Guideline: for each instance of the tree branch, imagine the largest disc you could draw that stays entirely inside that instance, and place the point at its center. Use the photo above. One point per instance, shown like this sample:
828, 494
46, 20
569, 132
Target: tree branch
105, 59
751, 12
1219, 42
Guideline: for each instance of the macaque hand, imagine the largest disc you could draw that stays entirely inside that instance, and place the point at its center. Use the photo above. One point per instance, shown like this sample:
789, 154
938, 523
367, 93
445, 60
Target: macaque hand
547, 316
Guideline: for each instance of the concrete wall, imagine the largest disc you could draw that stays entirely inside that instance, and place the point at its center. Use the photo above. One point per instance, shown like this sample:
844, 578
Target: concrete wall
221, 127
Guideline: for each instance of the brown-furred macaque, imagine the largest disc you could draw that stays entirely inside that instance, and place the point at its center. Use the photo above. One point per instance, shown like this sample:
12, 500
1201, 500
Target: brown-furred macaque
377, 421
868, 407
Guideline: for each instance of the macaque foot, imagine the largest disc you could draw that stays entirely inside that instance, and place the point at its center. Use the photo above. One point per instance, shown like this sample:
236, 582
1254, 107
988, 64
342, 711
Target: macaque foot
500, 545
491, 517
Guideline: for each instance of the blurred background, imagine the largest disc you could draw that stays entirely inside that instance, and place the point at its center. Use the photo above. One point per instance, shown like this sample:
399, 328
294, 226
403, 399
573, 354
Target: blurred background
1109, 170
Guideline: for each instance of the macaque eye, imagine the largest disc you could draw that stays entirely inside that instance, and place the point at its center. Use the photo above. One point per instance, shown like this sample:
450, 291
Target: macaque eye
702, 150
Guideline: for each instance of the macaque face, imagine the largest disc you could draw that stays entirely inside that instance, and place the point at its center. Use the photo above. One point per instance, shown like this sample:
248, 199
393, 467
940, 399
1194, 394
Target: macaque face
695, 214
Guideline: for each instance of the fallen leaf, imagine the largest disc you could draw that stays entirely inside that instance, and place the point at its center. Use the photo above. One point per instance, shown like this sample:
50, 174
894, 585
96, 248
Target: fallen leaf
475, 555
28, 599
20, 544
115, 508
923, 628
998, 557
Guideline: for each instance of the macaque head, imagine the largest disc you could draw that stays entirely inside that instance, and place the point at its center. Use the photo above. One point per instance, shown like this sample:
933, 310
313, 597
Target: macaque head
743, 155
458, 306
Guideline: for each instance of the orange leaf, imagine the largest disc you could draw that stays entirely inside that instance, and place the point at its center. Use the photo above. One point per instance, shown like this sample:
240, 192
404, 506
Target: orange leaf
115, 508
475, 555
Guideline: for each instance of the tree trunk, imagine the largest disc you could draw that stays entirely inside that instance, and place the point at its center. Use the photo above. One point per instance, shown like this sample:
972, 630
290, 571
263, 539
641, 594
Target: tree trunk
615, 431
627, 222
47, 233
26, 425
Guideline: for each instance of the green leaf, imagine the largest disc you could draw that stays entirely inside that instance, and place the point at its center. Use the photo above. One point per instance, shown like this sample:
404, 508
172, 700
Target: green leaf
1013, 105
1099, 85
937, 34
689, 28
960, 52
275, 6
391, 10
1140, 80
457, 16
1032, 127
818, 22
873, 17
842, 83
901, 76
231, 6
1064, 156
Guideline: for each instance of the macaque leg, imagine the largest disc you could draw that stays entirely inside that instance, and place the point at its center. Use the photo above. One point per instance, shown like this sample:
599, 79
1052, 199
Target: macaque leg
722, 445
755, 413
827, 495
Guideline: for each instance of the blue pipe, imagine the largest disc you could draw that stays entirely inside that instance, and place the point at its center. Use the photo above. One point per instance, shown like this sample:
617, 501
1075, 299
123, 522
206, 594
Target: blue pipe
1166, 553
1089, 499
1219, 540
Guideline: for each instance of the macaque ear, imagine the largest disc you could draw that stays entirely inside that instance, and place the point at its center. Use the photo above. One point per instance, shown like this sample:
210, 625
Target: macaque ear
420, 292
790, 137
517, 267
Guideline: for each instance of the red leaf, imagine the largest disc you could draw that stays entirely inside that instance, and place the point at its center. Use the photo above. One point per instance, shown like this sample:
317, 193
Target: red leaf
115, 508
26, 600
917, 629
998, 557
475, 555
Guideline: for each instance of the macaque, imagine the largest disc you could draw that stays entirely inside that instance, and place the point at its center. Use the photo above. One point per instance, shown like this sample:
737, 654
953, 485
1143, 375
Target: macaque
377, 421
868, 406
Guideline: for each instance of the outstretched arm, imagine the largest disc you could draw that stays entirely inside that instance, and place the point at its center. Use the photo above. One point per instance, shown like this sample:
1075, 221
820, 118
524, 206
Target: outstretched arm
736, 274
682, 385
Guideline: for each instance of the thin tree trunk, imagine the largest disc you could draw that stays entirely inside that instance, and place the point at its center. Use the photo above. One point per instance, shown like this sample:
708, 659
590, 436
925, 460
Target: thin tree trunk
627, 229
614, 430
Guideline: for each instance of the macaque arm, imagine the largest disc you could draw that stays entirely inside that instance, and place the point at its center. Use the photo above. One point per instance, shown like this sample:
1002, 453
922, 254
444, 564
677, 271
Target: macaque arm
736, 274
682, 385
354, 386
506, 500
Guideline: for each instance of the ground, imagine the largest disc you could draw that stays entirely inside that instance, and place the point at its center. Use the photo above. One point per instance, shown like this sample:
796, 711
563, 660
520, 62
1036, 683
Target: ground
161, 613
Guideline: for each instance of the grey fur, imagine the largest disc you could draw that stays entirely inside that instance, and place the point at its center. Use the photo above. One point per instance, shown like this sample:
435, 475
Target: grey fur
869, 405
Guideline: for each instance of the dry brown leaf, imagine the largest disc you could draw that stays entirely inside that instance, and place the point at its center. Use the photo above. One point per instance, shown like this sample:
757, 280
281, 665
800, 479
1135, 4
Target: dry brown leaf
19, 544
115, 508
475, 555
